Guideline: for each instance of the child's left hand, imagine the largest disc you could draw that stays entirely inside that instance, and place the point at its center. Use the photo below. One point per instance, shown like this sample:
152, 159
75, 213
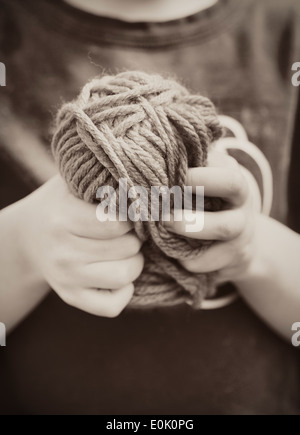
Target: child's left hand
232, 229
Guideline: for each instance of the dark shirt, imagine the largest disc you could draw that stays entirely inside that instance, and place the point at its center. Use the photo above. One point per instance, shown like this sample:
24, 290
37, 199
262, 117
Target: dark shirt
170, 360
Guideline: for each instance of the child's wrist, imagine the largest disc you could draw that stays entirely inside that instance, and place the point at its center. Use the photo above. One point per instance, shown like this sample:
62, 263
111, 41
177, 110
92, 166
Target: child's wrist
259, 267
22, 228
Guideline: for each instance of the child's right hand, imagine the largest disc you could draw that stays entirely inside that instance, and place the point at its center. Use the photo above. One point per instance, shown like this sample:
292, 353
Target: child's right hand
91, 265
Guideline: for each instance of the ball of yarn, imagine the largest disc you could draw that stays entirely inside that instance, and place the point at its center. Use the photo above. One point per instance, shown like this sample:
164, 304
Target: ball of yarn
148, 130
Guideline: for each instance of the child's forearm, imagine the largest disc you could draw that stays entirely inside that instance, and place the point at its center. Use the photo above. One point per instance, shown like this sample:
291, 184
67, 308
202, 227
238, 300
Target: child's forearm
272, 285
21, 287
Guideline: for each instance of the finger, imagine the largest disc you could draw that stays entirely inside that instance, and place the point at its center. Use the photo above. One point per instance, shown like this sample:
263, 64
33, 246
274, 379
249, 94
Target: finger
215, 258
119, 248
86, 224
106, 303
222, 225
111, 274
79, 217
219, 182
75, 214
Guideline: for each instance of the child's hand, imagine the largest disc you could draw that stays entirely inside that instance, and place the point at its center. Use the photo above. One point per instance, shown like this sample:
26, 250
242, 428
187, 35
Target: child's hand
91, 265
232, 229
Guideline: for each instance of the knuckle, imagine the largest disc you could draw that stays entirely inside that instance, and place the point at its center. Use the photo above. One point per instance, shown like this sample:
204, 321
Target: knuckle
62, 271
123, 275
107, 229
236, 183
240, 224
245, 254
111, 229
130, 269
120, 228
226, 230
114, 310
134, 245
67, 297
61, 260
230, 229
138, 263
190, 265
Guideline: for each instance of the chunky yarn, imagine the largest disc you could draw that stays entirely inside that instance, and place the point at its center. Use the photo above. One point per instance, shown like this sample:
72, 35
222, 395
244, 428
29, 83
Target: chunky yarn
148, 130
